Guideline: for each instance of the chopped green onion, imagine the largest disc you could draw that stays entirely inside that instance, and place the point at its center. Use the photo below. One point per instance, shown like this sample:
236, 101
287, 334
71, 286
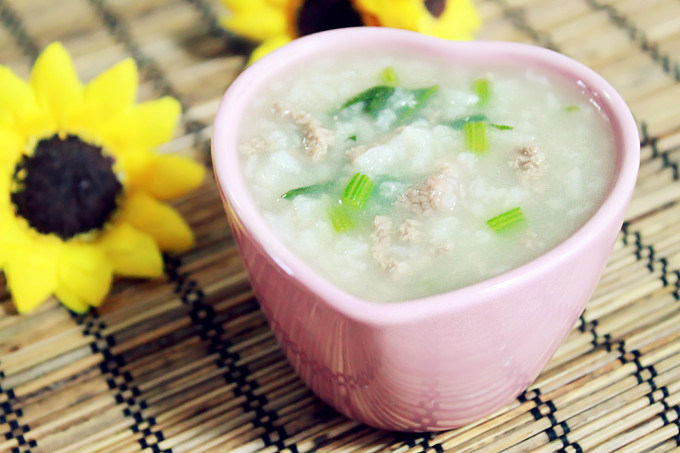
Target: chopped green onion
340, 218
313, 189
572, 108
352, 137
482, 88
475, 136
501, 127
506, 220
460, 122
389, 76
422, 95
374, 99
357, 191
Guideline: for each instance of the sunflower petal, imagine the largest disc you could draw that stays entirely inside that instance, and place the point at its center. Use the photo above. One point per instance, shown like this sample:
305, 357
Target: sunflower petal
169, 177
131, 253
11, 146
268, 46
112, 91
31, 277
71, 300
13, 237
6, 119
85, 272
56, 85
134, 161
158, 220
145, 125
459, 21
392, 13
16, 96
4, 231
258, 21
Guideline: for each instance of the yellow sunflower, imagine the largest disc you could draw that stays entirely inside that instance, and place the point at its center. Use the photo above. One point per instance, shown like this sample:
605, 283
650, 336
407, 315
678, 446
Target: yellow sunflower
81, 185
273, 23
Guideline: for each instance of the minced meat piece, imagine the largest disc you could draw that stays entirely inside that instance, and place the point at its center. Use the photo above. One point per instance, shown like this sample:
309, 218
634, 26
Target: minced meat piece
437, 193
381, 249
317, 138
409, 231
530, 163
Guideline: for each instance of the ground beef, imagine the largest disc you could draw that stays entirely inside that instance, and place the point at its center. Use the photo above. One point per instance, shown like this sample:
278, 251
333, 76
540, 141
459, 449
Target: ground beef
317, 138
530, 164
381, 248
439, 192
409, 231
256, 145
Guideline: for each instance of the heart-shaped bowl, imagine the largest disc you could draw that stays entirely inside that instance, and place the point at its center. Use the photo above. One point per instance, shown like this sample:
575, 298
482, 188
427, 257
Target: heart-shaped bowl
442, 361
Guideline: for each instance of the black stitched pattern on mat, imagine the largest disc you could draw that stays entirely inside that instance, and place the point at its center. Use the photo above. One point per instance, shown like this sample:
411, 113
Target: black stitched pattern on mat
620, 20
234, 44
14, 25
209, 17
545, 408
517, 17
421, 440
647, 374
654, 261
203, 316
643, 374
641, 371
10, 415
121, 382
652, 142
149, 68
126, 393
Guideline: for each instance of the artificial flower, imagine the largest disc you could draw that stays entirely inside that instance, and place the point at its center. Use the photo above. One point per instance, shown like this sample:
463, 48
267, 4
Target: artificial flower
272, 23
82, 190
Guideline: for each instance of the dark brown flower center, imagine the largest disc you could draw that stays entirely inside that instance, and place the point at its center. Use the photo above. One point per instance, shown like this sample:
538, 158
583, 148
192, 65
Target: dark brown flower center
435, 7
66, 187
319, 15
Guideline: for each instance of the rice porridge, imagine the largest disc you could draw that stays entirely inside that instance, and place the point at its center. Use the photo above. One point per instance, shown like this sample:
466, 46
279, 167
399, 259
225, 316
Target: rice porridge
398, 178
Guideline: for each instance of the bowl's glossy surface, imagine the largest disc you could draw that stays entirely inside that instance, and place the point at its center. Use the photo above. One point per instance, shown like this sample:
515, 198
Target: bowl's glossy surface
441, 361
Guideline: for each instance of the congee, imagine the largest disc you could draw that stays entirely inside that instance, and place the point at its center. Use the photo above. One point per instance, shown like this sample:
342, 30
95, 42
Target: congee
398, 178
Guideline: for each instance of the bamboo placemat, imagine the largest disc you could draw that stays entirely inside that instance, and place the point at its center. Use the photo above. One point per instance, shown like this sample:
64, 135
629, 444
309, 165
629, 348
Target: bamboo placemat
187, 363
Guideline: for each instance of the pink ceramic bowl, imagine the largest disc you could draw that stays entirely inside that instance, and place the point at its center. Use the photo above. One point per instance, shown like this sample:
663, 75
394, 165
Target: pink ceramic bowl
441, 361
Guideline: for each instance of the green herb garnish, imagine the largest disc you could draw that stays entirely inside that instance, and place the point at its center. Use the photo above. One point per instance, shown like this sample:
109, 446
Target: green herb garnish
352, 137
313, 189
389, 76
422, 95
501, 127
482, 88
374, 99
340, 218
475, 136
572, 108
506, 220
460, 122
357, 191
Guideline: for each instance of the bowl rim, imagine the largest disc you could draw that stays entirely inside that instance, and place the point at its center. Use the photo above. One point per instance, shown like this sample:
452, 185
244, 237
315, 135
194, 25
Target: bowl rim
228, 175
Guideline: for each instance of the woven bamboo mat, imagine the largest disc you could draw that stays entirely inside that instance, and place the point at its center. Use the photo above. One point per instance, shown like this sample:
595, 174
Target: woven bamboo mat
187, 363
